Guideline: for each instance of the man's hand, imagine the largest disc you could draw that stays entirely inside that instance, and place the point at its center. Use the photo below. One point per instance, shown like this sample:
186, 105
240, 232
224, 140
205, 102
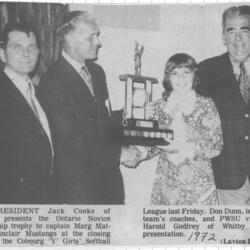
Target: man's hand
130, 156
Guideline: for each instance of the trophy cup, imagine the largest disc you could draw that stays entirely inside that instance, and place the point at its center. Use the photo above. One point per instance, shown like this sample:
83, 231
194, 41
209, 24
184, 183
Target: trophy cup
137, 128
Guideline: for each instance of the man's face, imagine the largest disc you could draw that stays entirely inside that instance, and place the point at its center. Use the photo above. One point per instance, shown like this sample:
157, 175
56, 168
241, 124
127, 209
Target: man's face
21, 52
85, 41
236, 36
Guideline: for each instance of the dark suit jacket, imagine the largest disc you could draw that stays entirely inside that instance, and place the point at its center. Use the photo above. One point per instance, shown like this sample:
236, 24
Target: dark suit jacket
87, 164
218, 82
25, 152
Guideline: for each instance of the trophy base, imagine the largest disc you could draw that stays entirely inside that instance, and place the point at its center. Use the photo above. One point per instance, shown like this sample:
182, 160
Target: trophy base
141, 132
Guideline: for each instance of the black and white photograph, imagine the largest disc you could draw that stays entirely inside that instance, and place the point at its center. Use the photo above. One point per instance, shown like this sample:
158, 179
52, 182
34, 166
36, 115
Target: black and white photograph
124, 124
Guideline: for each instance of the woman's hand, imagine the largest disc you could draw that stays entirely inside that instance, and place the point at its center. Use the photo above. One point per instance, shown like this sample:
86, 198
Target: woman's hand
172, 147
178, 151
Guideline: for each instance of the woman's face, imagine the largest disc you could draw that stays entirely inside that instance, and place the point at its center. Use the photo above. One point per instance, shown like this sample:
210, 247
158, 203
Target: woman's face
182, 80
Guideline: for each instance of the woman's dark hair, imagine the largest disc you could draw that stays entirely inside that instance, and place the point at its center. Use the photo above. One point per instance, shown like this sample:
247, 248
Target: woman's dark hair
179, 60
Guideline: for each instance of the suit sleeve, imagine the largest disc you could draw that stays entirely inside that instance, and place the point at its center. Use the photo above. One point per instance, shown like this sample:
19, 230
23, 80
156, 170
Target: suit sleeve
109, 152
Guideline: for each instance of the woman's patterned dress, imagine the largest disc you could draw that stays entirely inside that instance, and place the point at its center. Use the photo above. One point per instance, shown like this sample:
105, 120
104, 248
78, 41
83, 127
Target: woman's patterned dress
189, 181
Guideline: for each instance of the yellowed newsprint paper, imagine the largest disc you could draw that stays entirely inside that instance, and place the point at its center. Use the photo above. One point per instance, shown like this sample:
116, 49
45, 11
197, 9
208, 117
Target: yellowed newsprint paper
195, 191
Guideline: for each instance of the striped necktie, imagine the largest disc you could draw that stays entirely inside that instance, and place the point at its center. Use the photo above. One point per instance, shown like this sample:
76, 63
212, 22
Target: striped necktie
244, 83
88, 79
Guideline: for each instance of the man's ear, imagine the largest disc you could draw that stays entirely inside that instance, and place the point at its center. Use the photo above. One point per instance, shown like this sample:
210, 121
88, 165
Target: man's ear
223, 38
2, 55
70, 40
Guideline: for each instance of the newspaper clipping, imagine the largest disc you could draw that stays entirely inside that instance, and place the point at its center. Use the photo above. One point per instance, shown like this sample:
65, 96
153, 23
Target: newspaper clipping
124, 124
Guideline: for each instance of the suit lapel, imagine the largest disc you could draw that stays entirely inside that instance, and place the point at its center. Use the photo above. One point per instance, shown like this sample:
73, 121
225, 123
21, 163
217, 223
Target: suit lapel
100, 89
18, 98
51, 127
228, 81
226, 74
76, 85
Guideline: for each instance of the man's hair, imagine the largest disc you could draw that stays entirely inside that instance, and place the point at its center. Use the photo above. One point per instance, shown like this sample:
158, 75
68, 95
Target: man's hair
70, 21
27, 28
178, 61
242, 10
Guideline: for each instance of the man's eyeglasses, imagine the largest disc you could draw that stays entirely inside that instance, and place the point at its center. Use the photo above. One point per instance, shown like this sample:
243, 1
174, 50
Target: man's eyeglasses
18, 48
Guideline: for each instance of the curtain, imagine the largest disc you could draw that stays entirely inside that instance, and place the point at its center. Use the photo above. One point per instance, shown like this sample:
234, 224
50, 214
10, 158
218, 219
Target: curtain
45, 17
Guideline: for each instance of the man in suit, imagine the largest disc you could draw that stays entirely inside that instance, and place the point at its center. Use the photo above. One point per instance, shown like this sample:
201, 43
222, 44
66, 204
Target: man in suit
26, 151
75, 91
225, 78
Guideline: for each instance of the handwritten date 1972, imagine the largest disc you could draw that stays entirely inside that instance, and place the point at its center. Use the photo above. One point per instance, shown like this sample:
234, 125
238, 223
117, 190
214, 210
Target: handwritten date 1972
201, 237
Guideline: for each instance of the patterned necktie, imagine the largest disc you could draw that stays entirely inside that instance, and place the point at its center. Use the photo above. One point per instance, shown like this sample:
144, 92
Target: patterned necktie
88, 79
244, 83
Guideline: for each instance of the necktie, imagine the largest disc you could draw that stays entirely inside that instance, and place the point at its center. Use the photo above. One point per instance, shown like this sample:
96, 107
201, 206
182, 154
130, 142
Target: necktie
244, 84
88, 79
31, 101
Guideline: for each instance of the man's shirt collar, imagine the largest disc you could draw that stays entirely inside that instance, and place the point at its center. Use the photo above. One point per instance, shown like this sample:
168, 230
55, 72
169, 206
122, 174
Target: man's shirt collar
236, 67
21, 82
76, 65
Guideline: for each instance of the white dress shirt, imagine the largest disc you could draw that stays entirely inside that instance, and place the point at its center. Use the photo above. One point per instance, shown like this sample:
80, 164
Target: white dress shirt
85, 75
28, 92
236, 69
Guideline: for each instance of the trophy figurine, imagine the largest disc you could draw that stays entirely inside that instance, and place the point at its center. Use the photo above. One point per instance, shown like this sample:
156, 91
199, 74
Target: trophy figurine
137, 57
137, 128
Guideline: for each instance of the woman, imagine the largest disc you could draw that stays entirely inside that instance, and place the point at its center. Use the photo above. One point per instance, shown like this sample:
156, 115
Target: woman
184, 174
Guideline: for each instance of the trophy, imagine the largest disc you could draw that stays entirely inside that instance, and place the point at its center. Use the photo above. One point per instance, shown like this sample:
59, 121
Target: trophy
137, 128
